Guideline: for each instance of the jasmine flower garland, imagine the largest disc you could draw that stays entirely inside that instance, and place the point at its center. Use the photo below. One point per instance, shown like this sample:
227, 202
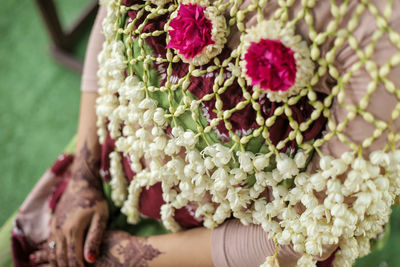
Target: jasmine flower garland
231, 178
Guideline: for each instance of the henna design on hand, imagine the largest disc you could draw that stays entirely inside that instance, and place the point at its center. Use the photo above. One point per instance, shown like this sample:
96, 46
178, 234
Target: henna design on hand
121, 249
97, 233
88, 168
85, 176
71, 258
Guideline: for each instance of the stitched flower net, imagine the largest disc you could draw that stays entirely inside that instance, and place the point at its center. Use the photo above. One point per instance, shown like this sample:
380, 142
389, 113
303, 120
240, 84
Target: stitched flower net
283, 114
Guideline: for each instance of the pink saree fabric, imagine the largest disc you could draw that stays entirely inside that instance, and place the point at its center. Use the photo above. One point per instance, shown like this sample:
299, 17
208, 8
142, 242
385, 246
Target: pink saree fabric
32, 223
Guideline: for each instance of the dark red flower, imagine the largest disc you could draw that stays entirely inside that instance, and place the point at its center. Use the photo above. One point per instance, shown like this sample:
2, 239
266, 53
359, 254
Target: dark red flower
301, 112
191, 31
128, 2
271, 65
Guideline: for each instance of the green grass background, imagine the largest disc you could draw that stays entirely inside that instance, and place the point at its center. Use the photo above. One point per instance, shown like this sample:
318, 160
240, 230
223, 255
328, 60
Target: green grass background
39, 99
39, 102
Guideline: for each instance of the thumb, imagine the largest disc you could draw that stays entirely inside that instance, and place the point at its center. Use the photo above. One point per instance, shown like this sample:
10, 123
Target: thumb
94, 237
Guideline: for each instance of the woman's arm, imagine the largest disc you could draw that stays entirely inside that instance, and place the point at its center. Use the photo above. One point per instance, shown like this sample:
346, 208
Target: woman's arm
230, 245
187, 248
82, 207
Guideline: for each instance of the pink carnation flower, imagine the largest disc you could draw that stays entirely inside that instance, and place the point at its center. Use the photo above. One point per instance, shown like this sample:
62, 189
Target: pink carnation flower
271, 65
191, 31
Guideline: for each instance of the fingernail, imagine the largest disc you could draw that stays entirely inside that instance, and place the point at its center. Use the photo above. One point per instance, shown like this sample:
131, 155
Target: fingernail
91, 257
32, 257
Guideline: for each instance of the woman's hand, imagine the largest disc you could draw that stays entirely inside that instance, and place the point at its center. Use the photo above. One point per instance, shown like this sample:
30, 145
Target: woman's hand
82, 209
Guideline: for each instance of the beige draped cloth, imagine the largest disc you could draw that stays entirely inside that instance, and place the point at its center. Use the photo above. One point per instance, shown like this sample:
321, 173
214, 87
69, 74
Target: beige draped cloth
234, 244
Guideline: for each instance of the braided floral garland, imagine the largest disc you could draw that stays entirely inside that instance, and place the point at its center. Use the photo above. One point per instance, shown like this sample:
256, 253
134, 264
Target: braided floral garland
138, 123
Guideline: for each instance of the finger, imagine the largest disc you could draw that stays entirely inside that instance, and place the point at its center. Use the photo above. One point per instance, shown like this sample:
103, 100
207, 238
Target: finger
51, 252
39, 257
61, 252
52, 258
75, 248
94, 237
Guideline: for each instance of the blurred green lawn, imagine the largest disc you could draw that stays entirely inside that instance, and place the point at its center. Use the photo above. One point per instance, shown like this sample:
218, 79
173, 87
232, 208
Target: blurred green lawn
39, 109
39, 99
